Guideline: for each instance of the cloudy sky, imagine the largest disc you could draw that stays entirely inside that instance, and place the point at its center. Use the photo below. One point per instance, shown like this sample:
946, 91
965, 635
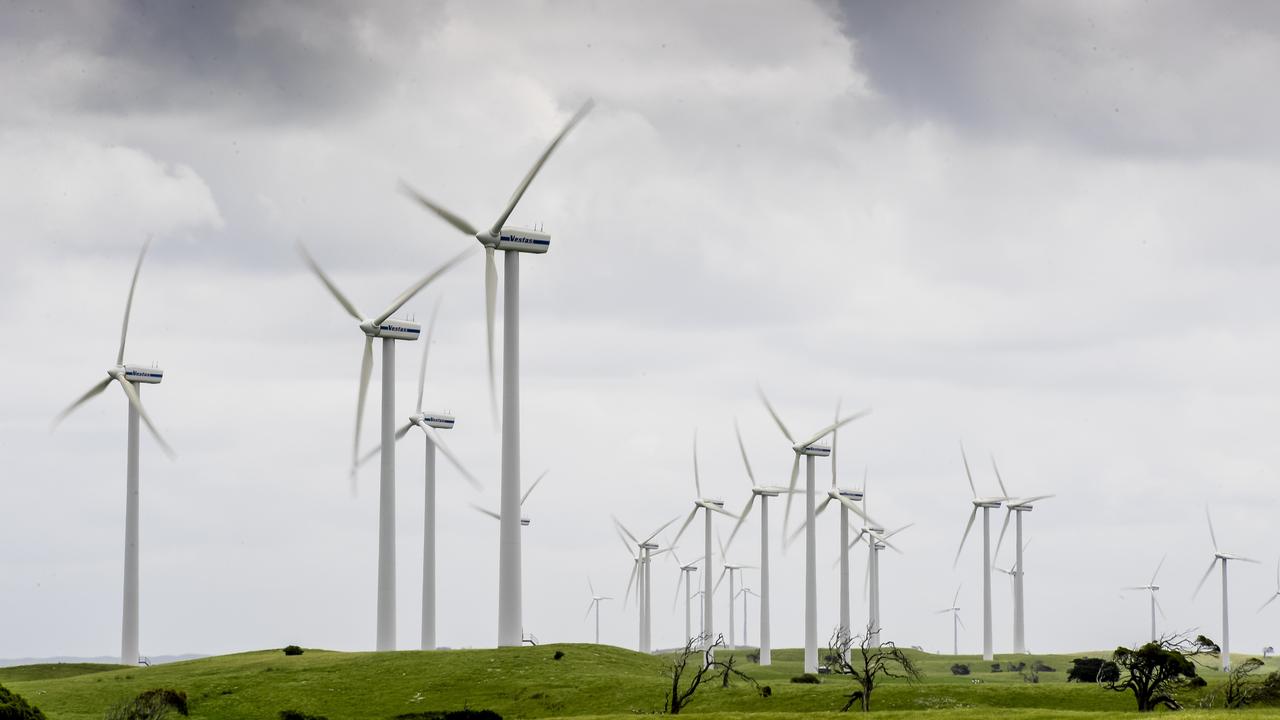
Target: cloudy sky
1043, 230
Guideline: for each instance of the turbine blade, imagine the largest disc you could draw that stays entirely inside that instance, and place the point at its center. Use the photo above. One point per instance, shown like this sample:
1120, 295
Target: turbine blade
1166, 555
92, 392
373, 452
426, 350
635, 565
822, 506
743, 449
832, 427
791, 492
1203, 578
662, 527
439, 210
533, 171
415, 288
967, 473
525, 496
626, 533
1003, 492
835, 436
400, 432
591, 587
453, 459
742, 518
684, 526
333, 289
128, 304
972, 516
956, 599
960, 621
589, 606
366, 370
774, 414
697, 480
1269, 601
146, 419
888, 535
487, 511
490, 308
1003, 529
716, 588
1212, 536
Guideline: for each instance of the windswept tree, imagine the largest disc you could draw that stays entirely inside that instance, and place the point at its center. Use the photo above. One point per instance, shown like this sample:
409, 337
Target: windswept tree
1157, 670
866, 662
708, 668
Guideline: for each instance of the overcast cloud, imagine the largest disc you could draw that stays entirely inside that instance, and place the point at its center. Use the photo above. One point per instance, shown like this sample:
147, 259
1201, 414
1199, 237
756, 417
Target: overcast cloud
1043, 230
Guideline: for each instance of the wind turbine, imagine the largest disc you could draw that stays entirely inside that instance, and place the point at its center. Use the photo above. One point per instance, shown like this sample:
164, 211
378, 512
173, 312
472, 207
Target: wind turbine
641, 569
686, 569
1152, 588
1224, 557
708, 505
382, 326
956, 622
1015, 574
512, 241
524, 519
729, 569
1015, 507
744, 592
986, 504
764, 492
429, 422
595, 604
809, 450
129, 377
876, 539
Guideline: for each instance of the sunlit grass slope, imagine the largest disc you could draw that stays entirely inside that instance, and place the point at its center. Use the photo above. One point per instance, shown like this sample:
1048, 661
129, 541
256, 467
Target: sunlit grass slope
590, 680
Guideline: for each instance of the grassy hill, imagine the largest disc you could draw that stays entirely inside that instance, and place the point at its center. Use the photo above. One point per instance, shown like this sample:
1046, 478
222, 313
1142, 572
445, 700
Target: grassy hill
589, 681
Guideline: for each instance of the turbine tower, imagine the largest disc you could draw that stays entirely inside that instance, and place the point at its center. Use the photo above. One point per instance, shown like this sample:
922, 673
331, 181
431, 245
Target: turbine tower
1152, 588
686, 569
429, 422
956, 622
130, 378
809, 450
764, 492
1224, 557
382, 326
729, 569
708, 505
1016, 507
512, 241
596, 599
876, 539
744, 592
986, 504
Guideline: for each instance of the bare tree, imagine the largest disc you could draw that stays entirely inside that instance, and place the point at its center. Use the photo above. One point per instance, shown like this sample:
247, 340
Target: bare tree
709, 668
1155, 671
1240, 688
857, 657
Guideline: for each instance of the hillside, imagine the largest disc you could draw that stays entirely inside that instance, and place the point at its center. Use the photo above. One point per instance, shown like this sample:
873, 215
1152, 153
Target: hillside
590, 680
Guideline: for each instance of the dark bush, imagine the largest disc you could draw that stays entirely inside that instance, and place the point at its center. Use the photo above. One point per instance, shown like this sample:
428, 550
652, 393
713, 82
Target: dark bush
1197, 682
1016, 667
14, 707
292, 650
1039, 666
997, 667
1092, 670
464, 714
175, 699
296, 715
806, 679
766, 691
754, 657
558, 656
154, 704
959, 669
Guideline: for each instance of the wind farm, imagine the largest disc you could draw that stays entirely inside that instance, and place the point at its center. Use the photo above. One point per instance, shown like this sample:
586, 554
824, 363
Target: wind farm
918, 231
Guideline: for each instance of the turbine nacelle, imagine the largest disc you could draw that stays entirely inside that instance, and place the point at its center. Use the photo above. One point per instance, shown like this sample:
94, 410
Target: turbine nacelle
393, 329
710, 503
648, 546
441, 421
854, 495
138, 374
767, 490
814, 450
988, 502
516, 239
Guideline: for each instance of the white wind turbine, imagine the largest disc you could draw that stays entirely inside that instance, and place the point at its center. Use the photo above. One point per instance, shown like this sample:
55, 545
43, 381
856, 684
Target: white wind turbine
764, 492
382, 326
596, 599
708, 505
809, 450
1016, 507
729, 569
686, 570
1152, 588
429, 422
956, 622
986, 504
744, 592
512, 241
128, 376
1224, 557
876, 539
641, 569
1015, 574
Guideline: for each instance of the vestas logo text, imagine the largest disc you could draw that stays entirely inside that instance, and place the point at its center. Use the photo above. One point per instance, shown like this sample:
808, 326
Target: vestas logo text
524, 240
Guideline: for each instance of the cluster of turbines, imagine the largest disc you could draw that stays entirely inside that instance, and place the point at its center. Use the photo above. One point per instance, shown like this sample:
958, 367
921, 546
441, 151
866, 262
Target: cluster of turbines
514, 241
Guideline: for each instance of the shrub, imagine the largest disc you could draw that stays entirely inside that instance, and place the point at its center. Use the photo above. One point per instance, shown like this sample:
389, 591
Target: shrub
296, 715
558, 656
754, 657
959, 669
1092, 670
1197, 682
14, 707
806, 679
152, 704
463, 714
1040, 667
766, 691
1016, 667
292, 650
997, 667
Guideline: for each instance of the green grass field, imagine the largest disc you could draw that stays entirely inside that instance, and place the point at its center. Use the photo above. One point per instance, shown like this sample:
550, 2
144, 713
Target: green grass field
590, 681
